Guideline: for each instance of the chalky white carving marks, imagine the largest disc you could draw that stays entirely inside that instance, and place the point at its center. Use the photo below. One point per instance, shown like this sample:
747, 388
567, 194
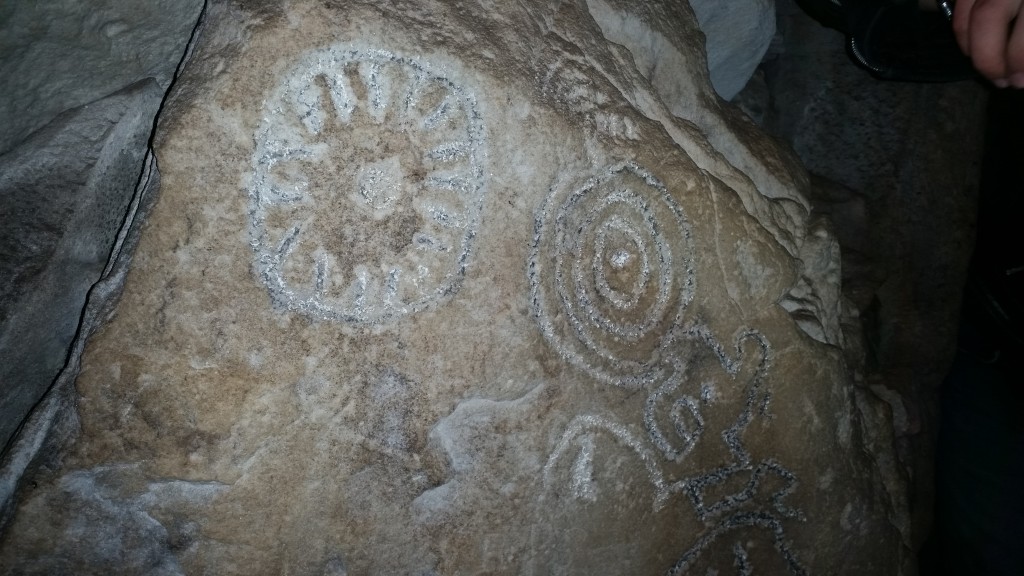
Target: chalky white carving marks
723, 511
367, 186
580, 432
611, 272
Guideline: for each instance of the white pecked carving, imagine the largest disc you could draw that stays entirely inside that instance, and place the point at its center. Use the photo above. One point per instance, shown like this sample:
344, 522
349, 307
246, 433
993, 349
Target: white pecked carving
611, 272
366, 187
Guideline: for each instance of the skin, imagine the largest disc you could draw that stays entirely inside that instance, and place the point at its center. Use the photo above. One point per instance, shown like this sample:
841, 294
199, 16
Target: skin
992, 34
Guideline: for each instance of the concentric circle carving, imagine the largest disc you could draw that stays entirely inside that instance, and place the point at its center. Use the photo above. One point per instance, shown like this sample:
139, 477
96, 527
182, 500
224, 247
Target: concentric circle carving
366, 187
611, 272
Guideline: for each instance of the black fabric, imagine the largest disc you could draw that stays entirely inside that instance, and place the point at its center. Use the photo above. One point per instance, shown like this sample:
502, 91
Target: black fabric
895, 39
826, 12
899, 41
979, 512
998, 264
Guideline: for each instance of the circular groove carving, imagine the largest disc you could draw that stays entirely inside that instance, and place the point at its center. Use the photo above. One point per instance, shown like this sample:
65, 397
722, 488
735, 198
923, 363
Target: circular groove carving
611, 273
366, 187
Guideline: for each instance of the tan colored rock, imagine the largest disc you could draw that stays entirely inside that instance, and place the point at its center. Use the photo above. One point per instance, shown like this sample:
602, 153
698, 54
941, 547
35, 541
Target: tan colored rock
437, 288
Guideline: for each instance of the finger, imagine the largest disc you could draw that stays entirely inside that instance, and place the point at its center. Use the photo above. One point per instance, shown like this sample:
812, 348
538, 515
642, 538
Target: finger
961, 24
1015, 53
989, 28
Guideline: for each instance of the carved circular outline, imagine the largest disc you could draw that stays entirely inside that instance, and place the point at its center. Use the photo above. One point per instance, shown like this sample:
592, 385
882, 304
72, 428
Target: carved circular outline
559, 276
295, 91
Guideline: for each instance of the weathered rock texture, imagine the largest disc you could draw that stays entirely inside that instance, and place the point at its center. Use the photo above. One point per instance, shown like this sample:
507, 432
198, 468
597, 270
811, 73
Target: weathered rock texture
59, 56
60, 233
81, 84
437, 288
898, 172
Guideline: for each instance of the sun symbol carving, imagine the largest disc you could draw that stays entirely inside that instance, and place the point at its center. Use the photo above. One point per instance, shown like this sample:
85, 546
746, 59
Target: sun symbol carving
366, 187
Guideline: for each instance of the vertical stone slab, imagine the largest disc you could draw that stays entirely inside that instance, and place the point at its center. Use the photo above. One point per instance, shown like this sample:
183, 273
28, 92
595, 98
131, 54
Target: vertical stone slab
64, 192
82, 84
433, 288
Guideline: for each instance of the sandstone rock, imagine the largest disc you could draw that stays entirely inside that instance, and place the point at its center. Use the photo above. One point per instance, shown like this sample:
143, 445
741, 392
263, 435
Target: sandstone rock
433, 288
107, 519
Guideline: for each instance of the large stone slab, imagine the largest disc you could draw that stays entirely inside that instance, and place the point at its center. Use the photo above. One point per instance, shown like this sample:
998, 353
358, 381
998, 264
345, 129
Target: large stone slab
437, 288
61, 55
65, 192
82, 83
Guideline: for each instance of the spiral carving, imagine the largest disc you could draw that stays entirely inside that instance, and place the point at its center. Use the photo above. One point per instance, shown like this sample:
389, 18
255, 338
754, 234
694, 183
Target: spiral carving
611, 272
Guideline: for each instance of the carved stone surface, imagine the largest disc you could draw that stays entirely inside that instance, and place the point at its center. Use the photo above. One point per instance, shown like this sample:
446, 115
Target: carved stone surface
906, 226
436, 288
417, 177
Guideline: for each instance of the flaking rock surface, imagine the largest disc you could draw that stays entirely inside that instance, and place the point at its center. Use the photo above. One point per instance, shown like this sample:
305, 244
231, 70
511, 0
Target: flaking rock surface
452, 288
81, 84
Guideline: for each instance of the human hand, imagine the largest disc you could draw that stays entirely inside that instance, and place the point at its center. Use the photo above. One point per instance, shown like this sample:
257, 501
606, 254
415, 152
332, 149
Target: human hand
991, 32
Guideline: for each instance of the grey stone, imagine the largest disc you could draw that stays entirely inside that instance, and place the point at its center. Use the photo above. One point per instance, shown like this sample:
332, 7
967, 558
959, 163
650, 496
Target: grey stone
65, 192
82, 84
57, 56
54, 420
